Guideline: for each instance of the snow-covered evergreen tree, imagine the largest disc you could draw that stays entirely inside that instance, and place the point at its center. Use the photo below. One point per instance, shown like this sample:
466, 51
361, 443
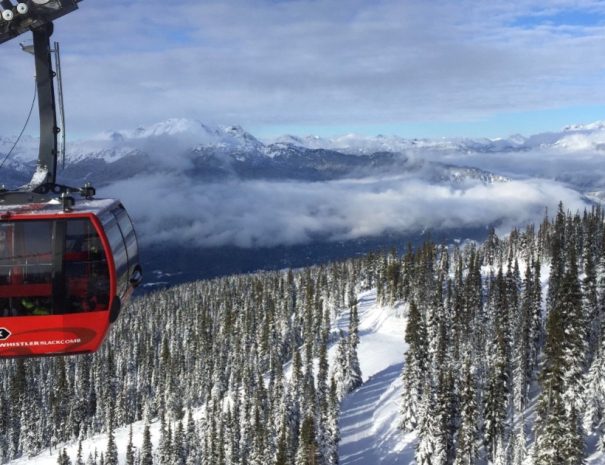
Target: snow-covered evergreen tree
146, 457
430, 449
467, 449
414, 372
308, 451
353, 371
63, 458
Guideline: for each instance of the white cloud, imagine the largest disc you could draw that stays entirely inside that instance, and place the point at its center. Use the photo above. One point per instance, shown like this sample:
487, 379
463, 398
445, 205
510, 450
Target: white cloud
308, 61
260, 213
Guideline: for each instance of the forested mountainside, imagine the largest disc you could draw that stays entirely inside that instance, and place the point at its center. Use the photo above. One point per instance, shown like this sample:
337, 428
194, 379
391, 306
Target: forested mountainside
500, 368
504, 361
220, 344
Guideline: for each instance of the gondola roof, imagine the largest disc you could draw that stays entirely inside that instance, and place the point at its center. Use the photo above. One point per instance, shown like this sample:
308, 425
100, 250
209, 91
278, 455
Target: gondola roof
55, 206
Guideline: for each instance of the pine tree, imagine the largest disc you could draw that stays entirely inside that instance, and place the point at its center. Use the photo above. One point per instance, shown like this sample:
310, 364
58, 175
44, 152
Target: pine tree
522, 350
281, 456
353, 372
569, 304
79, 459
500, 453
307, 453
550, 429
590, 298
322, 375
496, 396
179, 451
447, 412
414, 369
594, 416
536, 326
519, 443
340, 366
111, 454
334, 429
429, 446
323, 433
130, 452
191, 437
63, 458
165, 446
467, 448
558, 435
146, 448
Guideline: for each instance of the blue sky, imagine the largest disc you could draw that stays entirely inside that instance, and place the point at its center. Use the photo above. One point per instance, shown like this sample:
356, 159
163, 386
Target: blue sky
327, 67
566, 16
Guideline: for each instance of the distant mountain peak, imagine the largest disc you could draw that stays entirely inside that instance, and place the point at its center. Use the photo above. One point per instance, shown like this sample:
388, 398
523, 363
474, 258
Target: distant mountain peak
172, 127
356, 144
182, 136
116, 137
594, 126
235, 130
184, 132
240, 134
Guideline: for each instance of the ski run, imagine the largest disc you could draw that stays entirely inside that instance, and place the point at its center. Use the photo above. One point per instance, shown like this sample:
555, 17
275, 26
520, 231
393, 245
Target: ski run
368, 422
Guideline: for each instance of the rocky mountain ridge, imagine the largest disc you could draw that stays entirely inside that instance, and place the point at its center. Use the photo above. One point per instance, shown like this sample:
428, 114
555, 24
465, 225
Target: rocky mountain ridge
199, 151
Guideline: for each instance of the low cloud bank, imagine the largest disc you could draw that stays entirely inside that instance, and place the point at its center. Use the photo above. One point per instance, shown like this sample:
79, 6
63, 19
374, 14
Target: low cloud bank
581, 169
265, 214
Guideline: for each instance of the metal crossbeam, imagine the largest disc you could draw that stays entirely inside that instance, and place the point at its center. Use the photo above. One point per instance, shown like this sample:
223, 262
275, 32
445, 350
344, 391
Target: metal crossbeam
37, 14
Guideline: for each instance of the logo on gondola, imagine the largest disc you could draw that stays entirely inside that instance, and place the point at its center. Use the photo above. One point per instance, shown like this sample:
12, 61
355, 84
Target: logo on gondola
4, 334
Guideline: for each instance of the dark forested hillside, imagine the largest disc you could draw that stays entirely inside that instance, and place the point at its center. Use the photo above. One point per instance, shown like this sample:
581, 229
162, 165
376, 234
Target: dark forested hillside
504, 361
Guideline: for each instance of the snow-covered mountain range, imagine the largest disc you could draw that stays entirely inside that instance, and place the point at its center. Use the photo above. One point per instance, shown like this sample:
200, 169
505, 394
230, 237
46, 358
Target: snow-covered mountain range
195, 135
212, 152
209, 153
573, 138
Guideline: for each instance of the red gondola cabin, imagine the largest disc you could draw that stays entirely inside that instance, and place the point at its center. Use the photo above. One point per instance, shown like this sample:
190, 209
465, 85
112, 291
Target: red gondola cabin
64, 275
66, 268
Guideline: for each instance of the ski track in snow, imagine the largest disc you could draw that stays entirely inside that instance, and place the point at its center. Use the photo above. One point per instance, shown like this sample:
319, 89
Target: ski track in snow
370, 415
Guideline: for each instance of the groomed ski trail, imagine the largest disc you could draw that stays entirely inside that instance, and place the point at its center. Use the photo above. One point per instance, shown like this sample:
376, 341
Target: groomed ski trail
370, 415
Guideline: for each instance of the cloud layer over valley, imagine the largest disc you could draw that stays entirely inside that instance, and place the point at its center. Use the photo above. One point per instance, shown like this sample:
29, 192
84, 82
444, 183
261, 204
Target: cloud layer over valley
190, 184
264, 214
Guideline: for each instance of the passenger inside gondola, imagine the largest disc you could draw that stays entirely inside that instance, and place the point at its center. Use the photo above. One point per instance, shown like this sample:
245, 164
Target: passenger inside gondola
25, 268
4, 257
6, 307
29, 282
35, 306
85, 265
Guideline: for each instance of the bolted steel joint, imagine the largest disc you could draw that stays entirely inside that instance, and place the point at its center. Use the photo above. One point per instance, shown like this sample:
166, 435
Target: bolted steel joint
67, 201
88, 192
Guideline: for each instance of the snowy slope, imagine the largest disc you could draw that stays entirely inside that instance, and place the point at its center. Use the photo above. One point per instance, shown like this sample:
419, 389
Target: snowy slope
96, 444
369, 415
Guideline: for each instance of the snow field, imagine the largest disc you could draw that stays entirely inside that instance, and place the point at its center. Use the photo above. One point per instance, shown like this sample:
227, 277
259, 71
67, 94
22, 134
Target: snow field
370, 415
97, 442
